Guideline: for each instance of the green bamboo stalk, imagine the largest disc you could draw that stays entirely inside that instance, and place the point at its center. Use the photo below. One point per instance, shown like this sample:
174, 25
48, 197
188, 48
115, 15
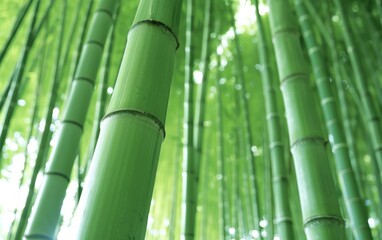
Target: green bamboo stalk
17, 81
135, 118
81, 40
101, 100
368, 106
379, 6
177, 171
46, 134
57, 173
282, 216
268, 196
221, 165
4, 95
205, 227
189, 176
320, 209
235, 204
32, 126
354, 203
15, 28
243, 101
328, 34
202, 90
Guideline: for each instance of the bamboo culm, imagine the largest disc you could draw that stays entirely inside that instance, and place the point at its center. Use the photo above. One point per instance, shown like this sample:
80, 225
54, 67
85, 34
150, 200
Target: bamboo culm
63, 155
353, 202
135, 117
282, 213
320, 209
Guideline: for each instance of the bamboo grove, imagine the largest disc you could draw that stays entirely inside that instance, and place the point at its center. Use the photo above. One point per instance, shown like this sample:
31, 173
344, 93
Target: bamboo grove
171, 119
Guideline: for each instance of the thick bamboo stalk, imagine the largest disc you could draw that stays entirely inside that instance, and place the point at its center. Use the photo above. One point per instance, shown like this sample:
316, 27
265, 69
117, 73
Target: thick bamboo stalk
320, 209
44, 219
354, 203
282, 216
118, 188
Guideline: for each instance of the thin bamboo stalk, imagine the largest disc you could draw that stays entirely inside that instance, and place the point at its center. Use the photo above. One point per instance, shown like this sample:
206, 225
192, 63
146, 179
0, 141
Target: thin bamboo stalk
244, 105
46, 134
42, 60
101, 100
368, 106
17, 80
221, 165
132, 131
57, 173
320, 209
282, 218
202, 90
14, 30
189, 176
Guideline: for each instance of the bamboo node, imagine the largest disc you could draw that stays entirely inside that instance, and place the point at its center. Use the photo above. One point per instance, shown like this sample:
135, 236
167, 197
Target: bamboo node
295, 76
317, 221
160, 24
315, 140
139, 113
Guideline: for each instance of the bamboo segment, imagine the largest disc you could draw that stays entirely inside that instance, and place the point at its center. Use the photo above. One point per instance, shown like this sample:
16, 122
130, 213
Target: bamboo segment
354, 203
118, 188
283, 219
320, 208
57, 173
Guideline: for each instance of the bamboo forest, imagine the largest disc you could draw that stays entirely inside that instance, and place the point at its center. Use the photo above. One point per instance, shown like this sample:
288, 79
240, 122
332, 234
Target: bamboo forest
193, 119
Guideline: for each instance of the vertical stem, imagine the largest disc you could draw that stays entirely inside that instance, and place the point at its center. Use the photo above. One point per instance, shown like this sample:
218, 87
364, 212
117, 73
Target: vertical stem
320, 209
354, 204
132, 131
243, 101
280, 184
189, 179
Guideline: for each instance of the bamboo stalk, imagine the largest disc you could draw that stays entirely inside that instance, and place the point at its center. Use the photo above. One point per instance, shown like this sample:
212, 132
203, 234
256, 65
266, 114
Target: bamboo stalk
280, 184
189, 176
368, 106
244, 105
132, 131
320, 208
15, 28
353, 202
57, 173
